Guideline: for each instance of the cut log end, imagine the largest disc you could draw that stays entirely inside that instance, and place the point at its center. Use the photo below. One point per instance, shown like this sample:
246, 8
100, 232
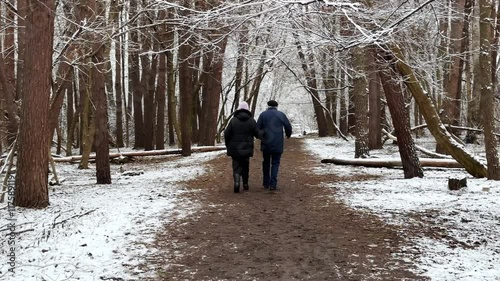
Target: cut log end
456, 184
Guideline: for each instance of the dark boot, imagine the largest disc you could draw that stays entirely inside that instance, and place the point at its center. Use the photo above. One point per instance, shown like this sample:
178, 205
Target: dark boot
245, 184
236, 183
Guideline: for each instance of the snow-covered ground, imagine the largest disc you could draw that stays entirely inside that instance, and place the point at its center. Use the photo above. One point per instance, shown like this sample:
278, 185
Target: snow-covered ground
101, 232
470, 218
97, 232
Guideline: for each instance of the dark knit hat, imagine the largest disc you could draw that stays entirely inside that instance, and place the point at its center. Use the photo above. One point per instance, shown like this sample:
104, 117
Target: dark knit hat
272, 103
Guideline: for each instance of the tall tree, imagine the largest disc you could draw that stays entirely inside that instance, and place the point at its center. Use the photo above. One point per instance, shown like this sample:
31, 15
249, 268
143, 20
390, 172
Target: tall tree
99, 99
487, 102
33, 149
119, 94
136, 89
312, 87
453, 79
400, 118
360, 100
375, 105
211, 93
185, 85
161, 92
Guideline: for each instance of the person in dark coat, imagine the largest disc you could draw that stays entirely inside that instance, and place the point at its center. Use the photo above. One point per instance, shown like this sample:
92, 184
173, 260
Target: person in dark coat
238, 137
270, 127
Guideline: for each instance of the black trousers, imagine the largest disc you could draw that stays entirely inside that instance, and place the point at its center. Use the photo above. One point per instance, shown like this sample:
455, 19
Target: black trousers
241, 166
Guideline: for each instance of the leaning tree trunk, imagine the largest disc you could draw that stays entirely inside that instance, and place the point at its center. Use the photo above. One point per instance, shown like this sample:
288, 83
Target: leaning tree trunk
487, 101
33, 148
436, 127
400, 118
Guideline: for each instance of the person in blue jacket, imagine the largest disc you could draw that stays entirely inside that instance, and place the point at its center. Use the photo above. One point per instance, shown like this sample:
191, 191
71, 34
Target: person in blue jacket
239, 138
270, 125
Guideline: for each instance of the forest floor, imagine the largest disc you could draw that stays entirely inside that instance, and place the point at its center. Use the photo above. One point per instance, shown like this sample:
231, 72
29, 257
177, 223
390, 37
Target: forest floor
300, 232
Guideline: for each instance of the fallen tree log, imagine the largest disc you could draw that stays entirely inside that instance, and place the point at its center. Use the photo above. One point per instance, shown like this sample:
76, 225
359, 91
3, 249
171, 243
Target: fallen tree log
392, 163
143, 153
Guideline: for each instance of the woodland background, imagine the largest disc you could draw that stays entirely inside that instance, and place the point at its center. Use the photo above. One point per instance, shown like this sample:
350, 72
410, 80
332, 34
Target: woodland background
83, 76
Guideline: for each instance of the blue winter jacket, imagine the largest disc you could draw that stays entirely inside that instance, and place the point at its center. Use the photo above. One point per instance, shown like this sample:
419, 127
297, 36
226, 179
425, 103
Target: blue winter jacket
270, 126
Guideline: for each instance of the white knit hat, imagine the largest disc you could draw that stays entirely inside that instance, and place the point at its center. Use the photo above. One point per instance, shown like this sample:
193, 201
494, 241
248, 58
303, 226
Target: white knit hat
243, 105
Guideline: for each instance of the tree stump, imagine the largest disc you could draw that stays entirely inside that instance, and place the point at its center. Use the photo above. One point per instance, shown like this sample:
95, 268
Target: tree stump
456, 184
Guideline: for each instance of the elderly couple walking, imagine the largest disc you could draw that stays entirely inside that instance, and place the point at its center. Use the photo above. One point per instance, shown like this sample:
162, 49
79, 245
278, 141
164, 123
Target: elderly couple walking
239, 138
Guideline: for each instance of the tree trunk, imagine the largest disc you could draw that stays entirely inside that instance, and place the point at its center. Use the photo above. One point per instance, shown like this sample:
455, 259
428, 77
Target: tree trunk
185, 87
330, 95
119, 95
8, 83
452, 102
103, 173
173, 124
312, 88
135, 85
212, 95
436, 127
255, 88
33, 148
161, 93
87, 126
360, 101
70, 119
147, 91
400, 118
375, 106
22, 10
8, 94
487, 102
240, 62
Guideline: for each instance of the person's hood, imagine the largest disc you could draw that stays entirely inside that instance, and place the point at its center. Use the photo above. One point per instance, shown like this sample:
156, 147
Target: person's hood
243, 114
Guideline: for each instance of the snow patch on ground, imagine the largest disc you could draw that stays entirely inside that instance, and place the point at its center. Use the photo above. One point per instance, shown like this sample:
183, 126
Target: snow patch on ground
469, 217
98, 232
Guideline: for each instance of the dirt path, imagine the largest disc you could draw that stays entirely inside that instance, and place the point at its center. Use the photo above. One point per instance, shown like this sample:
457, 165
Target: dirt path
297, 233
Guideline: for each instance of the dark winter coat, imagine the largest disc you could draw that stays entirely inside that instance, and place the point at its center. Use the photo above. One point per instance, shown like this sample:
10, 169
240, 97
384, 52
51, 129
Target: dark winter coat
239, 134
270, 125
